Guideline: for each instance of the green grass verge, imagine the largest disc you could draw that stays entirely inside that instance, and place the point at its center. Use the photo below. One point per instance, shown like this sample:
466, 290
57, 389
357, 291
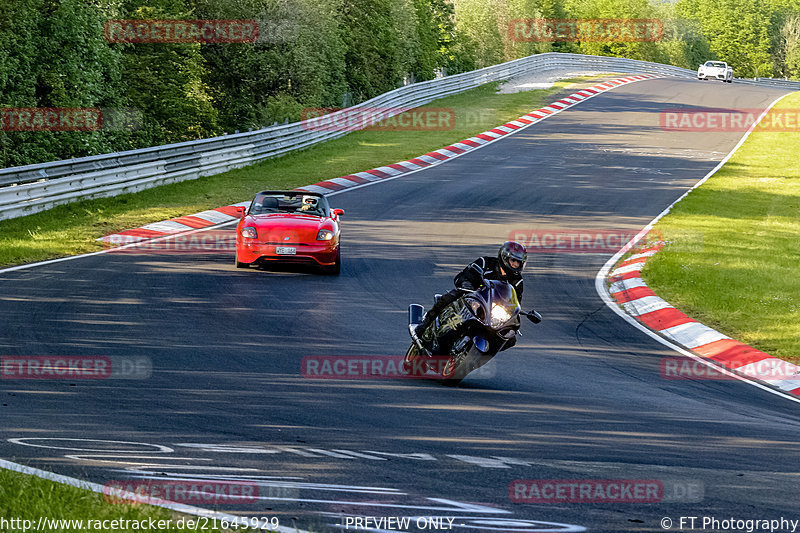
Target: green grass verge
734, 260
27, 497
73, 228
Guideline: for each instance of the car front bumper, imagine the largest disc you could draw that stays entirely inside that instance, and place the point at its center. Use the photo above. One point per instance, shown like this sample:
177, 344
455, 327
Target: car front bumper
323, 254
722, 76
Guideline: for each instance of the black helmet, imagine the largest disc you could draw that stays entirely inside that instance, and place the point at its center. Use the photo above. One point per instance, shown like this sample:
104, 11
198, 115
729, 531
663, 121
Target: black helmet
512, 252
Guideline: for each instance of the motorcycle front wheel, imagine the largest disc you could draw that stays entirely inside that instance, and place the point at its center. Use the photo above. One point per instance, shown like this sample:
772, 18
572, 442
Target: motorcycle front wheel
414, 361
452, 373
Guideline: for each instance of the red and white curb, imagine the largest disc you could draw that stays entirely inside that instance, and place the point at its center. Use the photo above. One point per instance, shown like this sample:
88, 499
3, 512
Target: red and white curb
227, 214
632, 293
622, 288
175, 226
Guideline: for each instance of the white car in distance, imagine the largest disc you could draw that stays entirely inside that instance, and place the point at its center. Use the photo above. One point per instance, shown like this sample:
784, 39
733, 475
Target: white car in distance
717, 70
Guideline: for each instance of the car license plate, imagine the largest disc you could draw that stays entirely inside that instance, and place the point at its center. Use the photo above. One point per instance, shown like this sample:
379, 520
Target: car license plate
285, 250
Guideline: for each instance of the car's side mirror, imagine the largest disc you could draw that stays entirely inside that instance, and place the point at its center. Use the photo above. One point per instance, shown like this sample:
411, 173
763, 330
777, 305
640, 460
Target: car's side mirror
338, 212
241, 210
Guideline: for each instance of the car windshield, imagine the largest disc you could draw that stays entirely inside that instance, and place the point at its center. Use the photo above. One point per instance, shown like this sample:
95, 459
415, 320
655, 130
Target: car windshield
716, 64
299, 203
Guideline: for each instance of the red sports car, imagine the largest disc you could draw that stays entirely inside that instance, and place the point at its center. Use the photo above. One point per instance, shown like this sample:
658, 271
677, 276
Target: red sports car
289, 227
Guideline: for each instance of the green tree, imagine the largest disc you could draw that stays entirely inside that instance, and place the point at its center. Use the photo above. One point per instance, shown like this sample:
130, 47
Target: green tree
53, 54
684, 44
19, 31
454, 53
738, 32
427, 57
790, 43
166, 81
616, 9
372, 65
296, 62
478, 32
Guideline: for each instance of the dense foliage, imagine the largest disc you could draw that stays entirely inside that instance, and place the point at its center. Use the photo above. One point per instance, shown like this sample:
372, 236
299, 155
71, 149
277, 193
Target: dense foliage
322, 53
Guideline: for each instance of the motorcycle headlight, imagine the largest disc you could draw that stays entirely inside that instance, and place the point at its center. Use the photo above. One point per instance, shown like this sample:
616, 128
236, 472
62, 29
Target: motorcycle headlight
324, 235
249, 233
500, 316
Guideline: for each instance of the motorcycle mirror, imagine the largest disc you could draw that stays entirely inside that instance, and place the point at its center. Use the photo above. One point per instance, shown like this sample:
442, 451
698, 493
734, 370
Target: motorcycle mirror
534, 316
477, 269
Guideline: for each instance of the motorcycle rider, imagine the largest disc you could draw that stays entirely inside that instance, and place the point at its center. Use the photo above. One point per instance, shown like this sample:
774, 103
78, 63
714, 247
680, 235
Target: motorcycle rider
507, 266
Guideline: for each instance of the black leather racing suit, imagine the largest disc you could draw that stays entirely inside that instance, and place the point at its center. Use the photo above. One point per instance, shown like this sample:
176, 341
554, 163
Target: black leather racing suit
468, 280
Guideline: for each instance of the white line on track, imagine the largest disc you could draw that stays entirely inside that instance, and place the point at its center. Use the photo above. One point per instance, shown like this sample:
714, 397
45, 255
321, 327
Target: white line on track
434, 163
96, 487
202, 512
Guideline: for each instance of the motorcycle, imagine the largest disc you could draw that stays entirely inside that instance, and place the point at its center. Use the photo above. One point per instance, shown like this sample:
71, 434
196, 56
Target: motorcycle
467, 334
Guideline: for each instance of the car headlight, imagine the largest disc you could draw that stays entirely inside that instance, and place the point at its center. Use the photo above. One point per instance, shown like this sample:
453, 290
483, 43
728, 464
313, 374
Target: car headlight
249, 233
499, 316
324, 235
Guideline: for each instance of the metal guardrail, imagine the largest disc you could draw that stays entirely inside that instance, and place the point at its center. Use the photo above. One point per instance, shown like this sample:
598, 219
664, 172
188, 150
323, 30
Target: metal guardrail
772, 82
33, 188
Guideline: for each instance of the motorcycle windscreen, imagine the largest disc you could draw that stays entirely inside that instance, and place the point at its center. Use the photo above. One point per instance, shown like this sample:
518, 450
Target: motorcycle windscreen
503, 293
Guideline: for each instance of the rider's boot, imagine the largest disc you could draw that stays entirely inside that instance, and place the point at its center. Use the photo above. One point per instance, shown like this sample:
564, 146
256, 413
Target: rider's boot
421, 327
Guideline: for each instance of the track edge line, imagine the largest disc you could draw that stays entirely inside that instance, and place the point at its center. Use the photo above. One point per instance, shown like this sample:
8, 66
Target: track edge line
602, 274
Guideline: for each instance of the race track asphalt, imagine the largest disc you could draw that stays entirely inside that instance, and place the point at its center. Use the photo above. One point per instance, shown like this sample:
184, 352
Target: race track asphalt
580, 398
